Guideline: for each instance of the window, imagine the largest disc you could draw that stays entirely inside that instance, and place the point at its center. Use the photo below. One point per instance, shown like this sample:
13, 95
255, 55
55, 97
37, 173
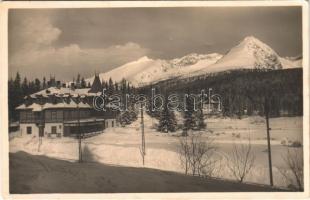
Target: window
53, 115
47, 115
68, 115
23, 116
29, 129
59, 115
29, 116
54, 129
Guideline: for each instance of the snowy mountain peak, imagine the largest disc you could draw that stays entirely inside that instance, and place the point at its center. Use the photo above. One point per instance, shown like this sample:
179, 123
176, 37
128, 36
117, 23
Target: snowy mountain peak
253, 44
249, 53
143, 59
250, 39
193, 58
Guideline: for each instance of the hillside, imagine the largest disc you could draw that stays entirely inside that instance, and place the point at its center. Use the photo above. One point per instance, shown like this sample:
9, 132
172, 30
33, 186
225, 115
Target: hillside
242, 91
58, 176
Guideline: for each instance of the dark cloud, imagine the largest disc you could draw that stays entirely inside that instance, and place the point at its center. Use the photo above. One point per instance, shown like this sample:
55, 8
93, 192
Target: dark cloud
156, 32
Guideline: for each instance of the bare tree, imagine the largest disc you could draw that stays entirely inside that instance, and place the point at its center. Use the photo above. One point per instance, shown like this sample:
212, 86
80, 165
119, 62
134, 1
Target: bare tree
241, 160
184, 153
213, 166
197, 155
293, 174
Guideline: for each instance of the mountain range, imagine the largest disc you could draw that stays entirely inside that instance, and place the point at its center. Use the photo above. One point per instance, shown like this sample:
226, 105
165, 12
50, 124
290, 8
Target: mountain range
250, 53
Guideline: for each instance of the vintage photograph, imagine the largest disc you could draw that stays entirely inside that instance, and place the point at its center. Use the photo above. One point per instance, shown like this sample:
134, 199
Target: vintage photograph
155, 99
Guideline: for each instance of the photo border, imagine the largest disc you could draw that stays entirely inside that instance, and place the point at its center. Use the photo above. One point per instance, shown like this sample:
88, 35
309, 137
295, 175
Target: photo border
4, 141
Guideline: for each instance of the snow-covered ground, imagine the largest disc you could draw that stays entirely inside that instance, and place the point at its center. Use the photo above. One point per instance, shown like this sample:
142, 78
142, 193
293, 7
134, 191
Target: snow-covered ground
40, 174
121, 145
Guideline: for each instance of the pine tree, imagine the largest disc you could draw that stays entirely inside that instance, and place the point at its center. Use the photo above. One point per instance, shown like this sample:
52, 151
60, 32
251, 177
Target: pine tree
128, 88
44, 85
78, 79
116, 87
32, 87
123, 86
110, 87
83, 83
104, 84
167, 121
15, 95
10, 98
25, 87
200, 119
37, 85
17, 81
189, 120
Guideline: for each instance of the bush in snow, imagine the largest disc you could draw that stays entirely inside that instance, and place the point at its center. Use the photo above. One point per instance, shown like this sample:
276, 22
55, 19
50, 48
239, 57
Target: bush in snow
197, 155
296, 144
289, 143
241, 160
293, 173
127, 117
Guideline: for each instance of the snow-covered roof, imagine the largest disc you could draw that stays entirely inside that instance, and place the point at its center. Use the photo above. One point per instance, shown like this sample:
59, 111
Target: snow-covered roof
37, 107
63, 92
83, 105
72, 104
21, 107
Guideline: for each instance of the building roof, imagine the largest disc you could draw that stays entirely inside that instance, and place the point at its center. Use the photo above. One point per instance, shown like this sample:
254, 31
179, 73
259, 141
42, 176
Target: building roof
35, 107
22, 107
38, 107
64, 92
72, 104
95, 90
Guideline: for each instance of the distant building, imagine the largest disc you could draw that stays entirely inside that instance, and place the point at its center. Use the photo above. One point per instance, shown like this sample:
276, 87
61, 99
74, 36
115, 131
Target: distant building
214, 106
64, 111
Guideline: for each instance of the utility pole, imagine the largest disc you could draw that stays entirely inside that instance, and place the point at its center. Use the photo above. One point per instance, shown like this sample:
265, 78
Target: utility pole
41, 124
268, 139
79, 132
142, 136
210, 89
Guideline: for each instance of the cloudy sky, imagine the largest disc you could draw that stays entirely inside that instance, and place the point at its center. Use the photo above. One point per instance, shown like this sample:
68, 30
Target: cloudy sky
65, 42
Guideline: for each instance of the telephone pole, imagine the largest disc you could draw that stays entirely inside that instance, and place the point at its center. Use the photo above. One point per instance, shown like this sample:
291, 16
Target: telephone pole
268, 139
79, 131
142, 136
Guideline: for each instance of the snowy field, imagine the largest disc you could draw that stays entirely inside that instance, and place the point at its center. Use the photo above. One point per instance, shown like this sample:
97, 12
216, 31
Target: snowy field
120, 146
